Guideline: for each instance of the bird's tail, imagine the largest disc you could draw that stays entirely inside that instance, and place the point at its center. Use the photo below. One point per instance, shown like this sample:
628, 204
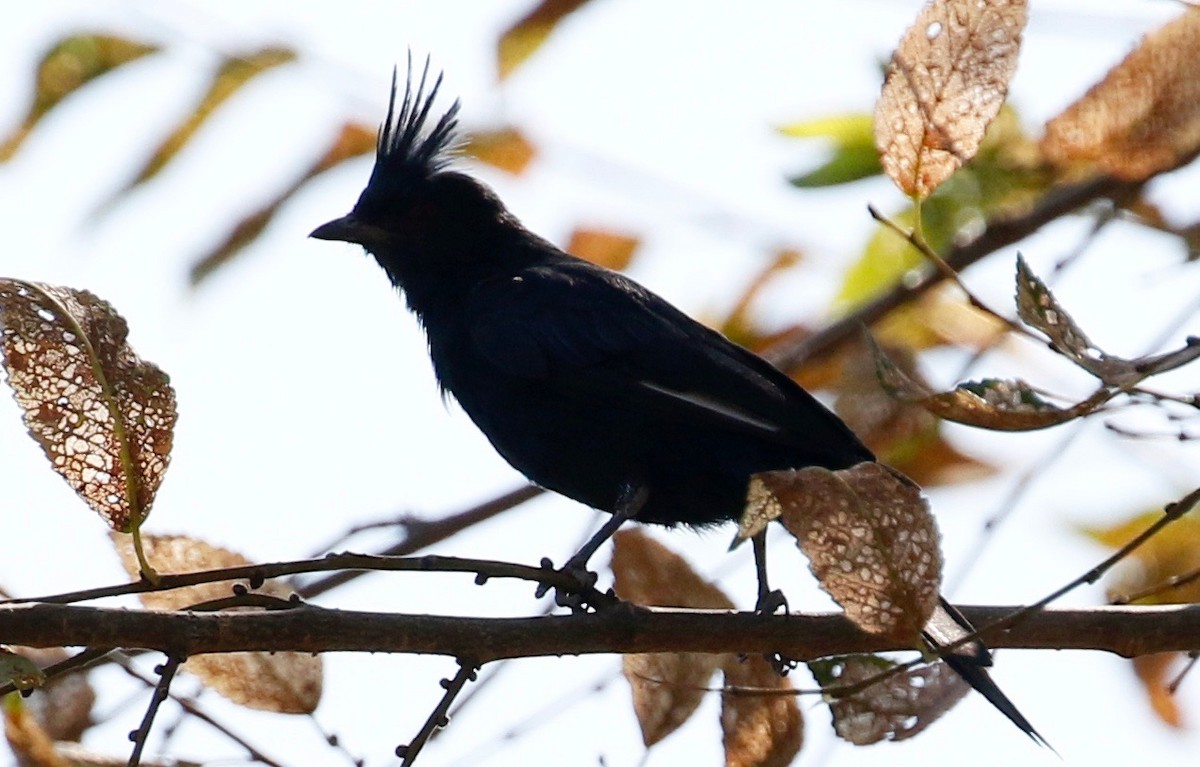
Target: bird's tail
970, 661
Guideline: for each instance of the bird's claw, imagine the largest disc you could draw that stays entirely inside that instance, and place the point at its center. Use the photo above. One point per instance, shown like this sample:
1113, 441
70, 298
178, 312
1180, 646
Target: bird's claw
577, 596
769, 602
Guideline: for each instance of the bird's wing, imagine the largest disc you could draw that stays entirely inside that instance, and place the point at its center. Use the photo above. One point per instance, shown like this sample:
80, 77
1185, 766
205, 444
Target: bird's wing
585, 329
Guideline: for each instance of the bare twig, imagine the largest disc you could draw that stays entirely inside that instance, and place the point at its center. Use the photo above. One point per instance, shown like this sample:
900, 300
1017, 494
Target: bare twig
467, 669
166, 673
127, 665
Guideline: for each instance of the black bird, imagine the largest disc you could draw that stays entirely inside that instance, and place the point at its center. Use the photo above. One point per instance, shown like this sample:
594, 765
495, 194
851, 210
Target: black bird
586, 382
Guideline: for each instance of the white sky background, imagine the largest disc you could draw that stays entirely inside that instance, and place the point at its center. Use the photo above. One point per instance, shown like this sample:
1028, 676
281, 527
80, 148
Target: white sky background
306, 400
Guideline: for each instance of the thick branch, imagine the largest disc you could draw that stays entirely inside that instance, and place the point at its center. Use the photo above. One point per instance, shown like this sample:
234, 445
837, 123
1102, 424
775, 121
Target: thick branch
1127, 630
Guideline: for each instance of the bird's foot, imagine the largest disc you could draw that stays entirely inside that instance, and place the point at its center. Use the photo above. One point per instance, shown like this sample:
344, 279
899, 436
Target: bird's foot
578, 592
769, 603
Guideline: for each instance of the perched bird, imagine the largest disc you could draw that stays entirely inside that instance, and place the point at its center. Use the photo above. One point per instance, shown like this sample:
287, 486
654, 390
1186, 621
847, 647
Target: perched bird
586, 382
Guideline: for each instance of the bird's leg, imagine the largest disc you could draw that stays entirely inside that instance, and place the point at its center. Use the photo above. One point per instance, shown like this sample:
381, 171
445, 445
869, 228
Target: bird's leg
629, 503
769, 601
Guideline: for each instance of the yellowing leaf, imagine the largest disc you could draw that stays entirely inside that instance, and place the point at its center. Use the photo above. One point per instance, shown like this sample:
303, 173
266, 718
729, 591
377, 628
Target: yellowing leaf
354, 139
28, 741
946, 81
611, 250
896, 708
521, 40
871, 542
854, 154
759, 730
72, 63
666, 687
1156, 672
506, 149
283, 682
1143, 118
104, 417
235, 72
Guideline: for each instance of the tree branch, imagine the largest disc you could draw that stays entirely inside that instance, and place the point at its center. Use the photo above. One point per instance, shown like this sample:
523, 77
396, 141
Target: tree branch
1124, 630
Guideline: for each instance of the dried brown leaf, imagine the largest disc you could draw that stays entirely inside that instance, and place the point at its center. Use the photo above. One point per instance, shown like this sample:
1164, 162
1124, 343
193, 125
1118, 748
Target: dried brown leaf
1039, 309
648, 573
612, 250
667, 687
988, 404
902, 434
870, 540
354, 139
522, 39
283, 682
104, 417
1143, 118
896, 708
507, 149
947, 79
759, 730
72, 63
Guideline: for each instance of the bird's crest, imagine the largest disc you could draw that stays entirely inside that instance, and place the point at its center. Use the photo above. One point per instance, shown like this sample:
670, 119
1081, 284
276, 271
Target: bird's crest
406, 152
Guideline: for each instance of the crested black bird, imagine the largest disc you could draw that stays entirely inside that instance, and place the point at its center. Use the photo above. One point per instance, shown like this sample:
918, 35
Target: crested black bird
586, 382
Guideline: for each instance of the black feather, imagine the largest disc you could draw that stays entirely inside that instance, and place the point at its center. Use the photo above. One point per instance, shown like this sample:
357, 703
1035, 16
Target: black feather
407, 154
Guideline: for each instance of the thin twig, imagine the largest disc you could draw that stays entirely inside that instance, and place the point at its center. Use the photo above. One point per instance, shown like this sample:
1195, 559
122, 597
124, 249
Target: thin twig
166, 672
126, 664
482, 569
467, 669
424, 533
1173, 687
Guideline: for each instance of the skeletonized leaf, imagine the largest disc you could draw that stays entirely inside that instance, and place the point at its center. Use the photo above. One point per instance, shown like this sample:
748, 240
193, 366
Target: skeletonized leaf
284, 682
759, 730
507, 149
870, 540
612, 250
946, 81
988, 404
666, 687
72, 63
1039, 309
104, 417
1143, 118
896, 708
354, 139
521, 40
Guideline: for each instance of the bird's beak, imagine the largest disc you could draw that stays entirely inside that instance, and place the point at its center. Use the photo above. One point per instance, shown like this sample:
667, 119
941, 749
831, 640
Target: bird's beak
347, 229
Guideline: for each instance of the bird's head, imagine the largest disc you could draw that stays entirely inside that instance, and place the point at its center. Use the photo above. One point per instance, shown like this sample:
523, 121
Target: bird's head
415, 213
